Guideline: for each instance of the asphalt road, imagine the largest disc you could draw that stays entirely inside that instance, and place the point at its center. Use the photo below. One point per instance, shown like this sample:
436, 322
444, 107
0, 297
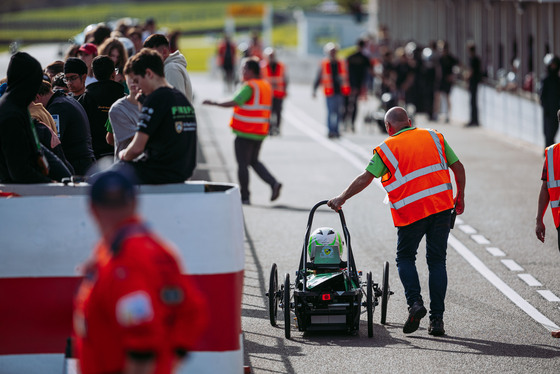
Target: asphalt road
503, 289
497, 317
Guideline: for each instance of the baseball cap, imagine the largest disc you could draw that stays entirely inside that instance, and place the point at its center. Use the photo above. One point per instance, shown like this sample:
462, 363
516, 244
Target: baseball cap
88, 48
75, 65
113, 188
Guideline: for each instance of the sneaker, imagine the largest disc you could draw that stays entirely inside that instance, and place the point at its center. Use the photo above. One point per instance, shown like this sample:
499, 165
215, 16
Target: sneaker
415, 313
276, 191
436, 327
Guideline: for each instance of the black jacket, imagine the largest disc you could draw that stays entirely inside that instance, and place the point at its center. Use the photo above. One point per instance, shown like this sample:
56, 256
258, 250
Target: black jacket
18, 146
97, 100
73, 126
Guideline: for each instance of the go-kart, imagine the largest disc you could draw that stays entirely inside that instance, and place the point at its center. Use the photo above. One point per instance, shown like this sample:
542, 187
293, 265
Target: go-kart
327, 295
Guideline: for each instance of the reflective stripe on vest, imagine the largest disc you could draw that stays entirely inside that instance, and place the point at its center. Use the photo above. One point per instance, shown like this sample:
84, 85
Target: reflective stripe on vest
422, 194
553, 184
400, 179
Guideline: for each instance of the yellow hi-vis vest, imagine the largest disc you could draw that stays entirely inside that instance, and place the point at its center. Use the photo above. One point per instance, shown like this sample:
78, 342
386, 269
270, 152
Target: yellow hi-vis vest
551, 163
327, 80
277, 79
252, 117
418, 182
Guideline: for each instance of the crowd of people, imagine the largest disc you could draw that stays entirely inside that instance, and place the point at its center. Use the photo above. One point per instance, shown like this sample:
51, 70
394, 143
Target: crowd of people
90, 105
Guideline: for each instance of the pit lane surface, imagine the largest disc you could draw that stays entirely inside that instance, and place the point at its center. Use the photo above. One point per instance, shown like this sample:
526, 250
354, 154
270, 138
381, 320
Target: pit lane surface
503, 284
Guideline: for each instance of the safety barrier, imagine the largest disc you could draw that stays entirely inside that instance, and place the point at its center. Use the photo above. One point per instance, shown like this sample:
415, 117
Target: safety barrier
47, 233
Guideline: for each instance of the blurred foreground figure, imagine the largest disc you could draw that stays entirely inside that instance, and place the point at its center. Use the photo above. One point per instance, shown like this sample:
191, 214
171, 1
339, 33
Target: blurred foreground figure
135, 311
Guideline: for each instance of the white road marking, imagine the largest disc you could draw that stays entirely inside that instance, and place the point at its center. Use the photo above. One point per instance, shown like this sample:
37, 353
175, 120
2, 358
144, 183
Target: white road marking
548, 295
497, 252
530, 280
512, 265
500, 284
467, 229
479, 239
459, 221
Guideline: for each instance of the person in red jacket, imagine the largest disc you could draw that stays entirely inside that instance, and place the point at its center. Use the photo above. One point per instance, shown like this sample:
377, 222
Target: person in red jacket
135, 310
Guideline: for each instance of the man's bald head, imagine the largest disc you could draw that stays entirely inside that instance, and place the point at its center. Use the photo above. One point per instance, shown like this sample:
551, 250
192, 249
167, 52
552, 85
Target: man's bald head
396, 119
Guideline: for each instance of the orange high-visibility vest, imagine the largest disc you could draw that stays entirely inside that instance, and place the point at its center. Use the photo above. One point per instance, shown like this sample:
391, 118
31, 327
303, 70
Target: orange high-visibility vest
418, 182
252, 117
327, 80
551, 163
277, 79
222, 52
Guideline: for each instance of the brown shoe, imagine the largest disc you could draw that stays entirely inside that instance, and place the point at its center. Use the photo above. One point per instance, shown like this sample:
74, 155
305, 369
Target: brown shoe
276, 191
555, 334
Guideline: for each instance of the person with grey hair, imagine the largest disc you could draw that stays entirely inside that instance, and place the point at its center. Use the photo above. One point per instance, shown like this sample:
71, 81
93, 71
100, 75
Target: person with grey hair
413, 164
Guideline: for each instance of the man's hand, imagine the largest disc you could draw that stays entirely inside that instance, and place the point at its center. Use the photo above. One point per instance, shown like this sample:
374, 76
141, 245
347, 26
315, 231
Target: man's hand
540, 230
336, 203
459, 204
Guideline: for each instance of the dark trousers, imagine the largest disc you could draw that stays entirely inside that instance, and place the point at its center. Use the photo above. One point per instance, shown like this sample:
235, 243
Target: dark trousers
275, 115
473, 89
351, 106
247, 154
436, 229
550, 122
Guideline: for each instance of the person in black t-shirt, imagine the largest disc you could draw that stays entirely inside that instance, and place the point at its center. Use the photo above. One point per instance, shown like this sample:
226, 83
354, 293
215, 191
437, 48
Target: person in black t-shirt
163, 149
358, 67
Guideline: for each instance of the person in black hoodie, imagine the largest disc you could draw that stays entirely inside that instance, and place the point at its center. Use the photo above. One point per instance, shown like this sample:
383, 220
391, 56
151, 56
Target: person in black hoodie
21, 158
550, 98
97, 101
73, 126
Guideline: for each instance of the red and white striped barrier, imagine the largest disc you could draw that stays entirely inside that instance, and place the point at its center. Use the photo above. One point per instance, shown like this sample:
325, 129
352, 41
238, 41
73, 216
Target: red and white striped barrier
47, 232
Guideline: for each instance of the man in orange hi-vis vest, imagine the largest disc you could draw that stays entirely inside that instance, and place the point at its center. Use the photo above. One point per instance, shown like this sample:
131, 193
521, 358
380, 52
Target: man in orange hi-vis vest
413, 165
333, 76
274, 72
251, 112
550, 193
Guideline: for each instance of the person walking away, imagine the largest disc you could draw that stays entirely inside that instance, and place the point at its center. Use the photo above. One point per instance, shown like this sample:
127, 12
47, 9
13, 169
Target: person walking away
250, 123
97, 100
175, 64
333, 76
413, 164
163, 150
73, 127
21, 158
447, 62
124, 116
474, 77
359, 66
550, 98
75, 74
274, 72
135, 311
226, 61
550, 193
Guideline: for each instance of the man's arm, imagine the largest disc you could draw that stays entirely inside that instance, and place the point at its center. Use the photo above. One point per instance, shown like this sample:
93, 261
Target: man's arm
362, 181
460, 181
135, 148
544, 198
223, 104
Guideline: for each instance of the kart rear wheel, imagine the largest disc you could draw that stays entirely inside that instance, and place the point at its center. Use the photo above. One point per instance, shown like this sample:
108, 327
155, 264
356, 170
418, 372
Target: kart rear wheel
287, 306
273, 295
369, 305
385, 292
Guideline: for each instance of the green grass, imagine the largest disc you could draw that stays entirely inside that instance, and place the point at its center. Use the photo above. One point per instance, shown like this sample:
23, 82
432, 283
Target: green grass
184, 16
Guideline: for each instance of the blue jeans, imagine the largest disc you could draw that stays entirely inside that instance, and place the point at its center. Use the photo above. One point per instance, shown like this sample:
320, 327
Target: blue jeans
436, 229
334, 107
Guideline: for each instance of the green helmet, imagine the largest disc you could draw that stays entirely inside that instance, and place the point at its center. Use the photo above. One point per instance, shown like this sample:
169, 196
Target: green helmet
324, 240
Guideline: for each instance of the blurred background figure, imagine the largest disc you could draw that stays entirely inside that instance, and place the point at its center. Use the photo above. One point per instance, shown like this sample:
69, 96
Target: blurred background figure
87, 52
255, 48
359, 68
226, 60
446, 76
550, 98
274, 72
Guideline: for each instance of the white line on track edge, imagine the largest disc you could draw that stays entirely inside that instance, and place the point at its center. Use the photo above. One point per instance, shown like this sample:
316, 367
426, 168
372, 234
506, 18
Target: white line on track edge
500, 284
